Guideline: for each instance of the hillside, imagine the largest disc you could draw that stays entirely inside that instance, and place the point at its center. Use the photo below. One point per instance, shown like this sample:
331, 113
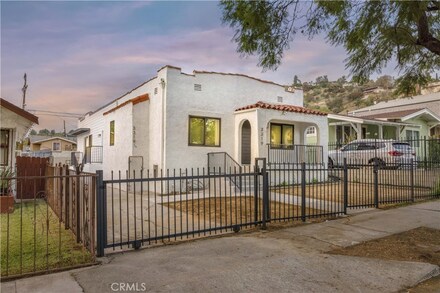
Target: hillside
341, 96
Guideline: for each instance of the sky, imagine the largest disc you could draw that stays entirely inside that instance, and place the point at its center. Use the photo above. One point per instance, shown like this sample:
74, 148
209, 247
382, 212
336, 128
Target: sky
79, 55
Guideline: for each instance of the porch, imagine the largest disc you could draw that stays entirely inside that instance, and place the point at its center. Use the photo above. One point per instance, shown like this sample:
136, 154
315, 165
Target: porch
343, 129
280, 134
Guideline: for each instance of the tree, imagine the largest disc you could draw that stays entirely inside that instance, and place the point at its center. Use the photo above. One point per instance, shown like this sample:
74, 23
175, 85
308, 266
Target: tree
33, 132
44, 132
385, 82
322, 80
296, 81
374, 33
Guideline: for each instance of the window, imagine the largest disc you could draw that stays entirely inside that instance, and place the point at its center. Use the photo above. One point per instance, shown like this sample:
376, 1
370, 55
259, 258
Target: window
311, 130
197, 87
4, 147
413, 136
280, 99
281, 135
343, 134
112, 132
56, 146
204, 131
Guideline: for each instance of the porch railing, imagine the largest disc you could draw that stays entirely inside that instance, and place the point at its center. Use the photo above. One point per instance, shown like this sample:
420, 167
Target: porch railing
294, 154
93, 154
222, 163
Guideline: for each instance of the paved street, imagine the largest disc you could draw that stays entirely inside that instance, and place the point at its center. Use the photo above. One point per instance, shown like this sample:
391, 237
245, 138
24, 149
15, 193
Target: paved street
292, 259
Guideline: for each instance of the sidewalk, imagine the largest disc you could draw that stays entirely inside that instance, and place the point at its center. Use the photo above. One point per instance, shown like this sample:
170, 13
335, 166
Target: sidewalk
286, 260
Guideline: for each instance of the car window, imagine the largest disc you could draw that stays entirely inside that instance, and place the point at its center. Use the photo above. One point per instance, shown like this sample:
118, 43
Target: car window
366, 146
401, 146
350, 147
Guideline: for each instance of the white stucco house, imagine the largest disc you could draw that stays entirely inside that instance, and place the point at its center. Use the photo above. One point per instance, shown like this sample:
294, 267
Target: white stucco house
175, 119
15, 124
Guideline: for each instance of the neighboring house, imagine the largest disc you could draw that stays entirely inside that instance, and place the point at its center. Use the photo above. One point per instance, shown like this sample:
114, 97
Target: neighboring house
175, 119
409, 119
422, 113
15, 125
59, 149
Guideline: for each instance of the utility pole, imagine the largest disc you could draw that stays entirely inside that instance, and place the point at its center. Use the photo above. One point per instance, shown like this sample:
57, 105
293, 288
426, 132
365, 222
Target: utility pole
25, 86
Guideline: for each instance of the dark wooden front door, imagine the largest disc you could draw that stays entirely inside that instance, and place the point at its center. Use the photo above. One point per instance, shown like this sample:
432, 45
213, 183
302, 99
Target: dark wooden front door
246, 143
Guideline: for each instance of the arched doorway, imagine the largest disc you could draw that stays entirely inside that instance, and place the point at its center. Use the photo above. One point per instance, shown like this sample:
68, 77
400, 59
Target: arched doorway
246, 143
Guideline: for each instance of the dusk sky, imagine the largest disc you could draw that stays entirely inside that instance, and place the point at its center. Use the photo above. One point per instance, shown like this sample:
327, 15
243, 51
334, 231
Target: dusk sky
81, 55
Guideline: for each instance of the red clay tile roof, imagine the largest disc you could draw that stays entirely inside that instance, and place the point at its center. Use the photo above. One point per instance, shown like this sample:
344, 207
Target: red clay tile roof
279, 107
134, 101
18, 111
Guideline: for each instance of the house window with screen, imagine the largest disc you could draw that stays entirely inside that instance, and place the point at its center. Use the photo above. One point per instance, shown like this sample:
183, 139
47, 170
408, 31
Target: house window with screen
413, 137
56, 146
112, 132
4, 147
281, 135
204, 131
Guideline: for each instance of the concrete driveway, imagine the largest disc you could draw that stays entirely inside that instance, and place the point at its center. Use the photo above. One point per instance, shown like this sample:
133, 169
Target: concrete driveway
291, 259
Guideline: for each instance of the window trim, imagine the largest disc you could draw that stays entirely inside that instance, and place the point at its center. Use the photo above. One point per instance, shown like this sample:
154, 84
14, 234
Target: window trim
112, 143
204, 130
8, 145
280, 146
53, 146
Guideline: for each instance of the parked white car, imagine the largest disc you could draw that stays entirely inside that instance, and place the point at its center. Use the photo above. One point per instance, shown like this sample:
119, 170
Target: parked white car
370, 151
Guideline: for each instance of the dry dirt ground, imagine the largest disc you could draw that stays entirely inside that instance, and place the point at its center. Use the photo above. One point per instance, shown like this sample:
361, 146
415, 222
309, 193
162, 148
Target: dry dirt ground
231, 211
418, 245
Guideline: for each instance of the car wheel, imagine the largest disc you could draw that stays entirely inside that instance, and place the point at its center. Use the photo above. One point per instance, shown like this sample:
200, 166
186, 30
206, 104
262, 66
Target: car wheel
331, 165
380, 164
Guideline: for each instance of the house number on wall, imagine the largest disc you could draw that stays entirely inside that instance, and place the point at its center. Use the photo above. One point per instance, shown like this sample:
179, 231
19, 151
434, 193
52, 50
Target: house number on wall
261, 136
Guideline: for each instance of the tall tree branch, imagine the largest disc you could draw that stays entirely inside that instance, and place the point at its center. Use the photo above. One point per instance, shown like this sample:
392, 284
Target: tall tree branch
425, 38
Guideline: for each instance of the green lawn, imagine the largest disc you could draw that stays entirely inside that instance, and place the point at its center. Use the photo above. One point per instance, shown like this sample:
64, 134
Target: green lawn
36, 241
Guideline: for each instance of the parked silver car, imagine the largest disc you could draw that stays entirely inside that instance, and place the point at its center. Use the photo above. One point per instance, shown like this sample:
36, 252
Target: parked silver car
373, 151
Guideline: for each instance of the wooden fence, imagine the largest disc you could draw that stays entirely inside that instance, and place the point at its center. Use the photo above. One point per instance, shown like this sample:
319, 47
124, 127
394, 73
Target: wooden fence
71, 196
29, 167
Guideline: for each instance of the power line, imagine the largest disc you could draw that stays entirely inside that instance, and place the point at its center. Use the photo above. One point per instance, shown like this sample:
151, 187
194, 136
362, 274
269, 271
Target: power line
58, 114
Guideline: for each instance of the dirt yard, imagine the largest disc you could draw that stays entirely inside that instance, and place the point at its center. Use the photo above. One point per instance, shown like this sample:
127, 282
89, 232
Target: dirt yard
238, 210
358, 193
418, 245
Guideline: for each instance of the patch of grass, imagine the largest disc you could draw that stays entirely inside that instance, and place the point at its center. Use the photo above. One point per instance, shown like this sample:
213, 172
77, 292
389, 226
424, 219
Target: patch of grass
33, 239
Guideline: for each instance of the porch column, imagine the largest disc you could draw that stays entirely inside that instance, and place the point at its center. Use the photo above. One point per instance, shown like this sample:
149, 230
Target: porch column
397, 132
358, 129
380, 131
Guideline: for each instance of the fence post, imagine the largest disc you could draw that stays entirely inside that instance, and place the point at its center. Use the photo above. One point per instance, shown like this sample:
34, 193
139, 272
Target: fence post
256, 199
425, 159
345, 186
376, 184
265, 208
67, 199
100, 215
303, 191
78, 206
412, 180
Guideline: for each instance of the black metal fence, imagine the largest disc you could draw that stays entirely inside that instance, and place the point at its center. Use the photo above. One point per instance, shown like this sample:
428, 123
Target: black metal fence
142, 209
422, 151
54, 229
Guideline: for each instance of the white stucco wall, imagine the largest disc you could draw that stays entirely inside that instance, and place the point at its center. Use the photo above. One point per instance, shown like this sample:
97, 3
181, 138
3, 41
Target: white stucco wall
169, 109
220, 96
18, 127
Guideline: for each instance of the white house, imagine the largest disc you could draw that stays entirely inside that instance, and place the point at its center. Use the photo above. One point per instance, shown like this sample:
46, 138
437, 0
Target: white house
15, 124
175, 119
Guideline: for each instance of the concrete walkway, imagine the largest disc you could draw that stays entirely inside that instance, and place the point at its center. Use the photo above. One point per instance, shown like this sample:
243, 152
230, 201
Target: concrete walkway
286, 260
